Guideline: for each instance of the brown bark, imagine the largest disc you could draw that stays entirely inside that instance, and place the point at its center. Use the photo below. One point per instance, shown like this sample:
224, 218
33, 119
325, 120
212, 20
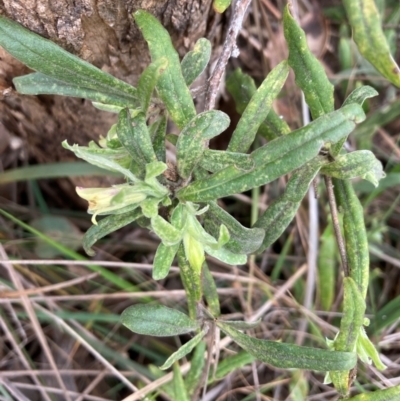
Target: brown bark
99, 31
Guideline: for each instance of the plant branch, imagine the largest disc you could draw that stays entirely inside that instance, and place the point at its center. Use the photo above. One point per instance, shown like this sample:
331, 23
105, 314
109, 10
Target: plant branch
336, 225
229, 46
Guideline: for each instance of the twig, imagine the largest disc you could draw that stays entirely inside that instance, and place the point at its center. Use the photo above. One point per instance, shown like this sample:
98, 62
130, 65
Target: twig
336, 226
229, 46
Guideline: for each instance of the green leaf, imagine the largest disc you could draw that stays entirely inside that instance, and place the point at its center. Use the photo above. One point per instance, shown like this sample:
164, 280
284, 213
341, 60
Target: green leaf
361, 163
148, 81
135, 137
242, 240
283, 209
46, 57
220, 6
163, 260
388, 394
232, 363
241, 325
215, 160
40, 84
367, 351
194, 137
109, 159
355, 233
157, 320
158, 138
278, 157
258, 108
359, 95
289, 356
106, 226
242, 87
195, 61
365, 21
191, 280
196, 368
171, 85
183, 350
154, 169
179, 385
386, 316
168, 234
226, 256
310, 75
210, 291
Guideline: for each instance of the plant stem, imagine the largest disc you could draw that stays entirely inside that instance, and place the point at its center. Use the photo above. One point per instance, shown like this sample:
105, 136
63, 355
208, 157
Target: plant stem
336, 225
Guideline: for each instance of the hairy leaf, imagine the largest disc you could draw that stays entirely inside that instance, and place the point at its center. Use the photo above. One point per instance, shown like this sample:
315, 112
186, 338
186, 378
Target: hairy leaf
215, 160
210, 291
388, 394
195, 61
163, 260
179, 385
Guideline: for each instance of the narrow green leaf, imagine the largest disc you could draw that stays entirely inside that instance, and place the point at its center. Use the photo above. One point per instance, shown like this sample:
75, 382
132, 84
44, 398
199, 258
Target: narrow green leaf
355, 233
258, 108
157, 320
210, 291
278, 157
327, 267
135, 137
163, 260
367, 351
365, 21
193, 138
226, 256
220, 6
195, 61
242, 240
388, 394
40, 84
168, 234
46, 57
288, 356
242, 87
184, 350
158, 138
232, 363
359, 95
283, 209
385, 316
241, 325
148, 81
191, 280
171, 86
361, 163
215, 160
309, 73
179, 385
196, 368
106, 226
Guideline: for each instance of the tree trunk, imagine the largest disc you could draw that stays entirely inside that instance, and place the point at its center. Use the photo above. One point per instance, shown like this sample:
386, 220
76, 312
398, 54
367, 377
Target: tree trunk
102, 32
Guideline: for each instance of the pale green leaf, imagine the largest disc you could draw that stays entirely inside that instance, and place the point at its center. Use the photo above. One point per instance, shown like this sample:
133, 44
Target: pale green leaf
195, 61
163, 260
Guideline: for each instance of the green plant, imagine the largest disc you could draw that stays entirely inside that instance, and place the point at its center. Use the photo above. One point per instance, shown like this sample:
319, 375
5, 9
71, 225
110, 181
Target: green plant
179, 203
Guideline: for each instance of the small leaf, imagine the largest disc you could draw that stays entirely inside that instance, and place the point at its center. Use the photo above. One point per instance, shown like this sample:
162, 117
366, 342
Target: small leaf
179, 385
210, 291
215, 160
195, 61
168, 234
361, 163
46, 57
196, 368
288, 356
148, 80
278, 157
193, 138
224, 255
359, 95
149, 207
163, 260
365, 21
310, 75
232, 363
242, 87
157, 320
154, 169
367, 351
242, 240
158, 138
258, 108
40, 84
171, 85
106, 226
241, 325
220, 6
183, 350
108, 159
388, 394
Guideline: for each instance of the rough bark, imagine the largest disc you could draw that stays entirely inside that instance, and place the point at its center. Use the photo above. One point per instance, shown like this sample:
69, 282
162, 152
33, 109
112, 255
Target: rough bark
100, 31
